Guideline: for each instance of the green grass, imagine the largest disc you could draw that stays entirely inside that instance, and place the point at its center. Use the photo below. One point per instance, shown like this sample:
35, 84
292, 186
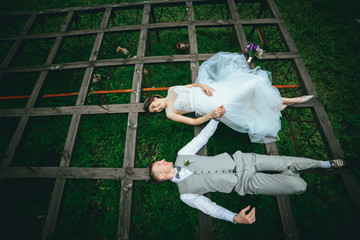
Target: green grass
326, 34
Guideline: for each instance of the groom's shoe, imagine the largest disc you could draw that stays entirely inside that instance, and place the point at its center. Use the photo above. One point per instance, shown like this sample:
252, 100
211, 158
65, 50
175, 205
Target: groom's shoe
306, 98
337, 163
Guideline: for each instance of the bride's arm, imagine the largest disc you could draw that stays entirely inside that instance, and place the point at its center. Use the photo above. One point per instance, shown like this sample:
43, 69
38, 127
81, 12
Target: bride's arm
216, 113
205, 88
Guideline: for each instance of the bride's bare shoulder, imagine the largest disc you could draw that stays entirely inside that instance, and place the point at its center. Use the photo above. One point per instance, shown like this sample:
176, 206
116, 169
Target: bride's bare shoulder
174, 87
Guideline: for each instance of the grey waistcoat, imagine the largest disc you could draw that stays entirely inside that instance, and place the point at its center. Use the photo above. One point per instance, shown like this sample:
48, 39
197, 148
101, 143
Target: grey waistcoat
210, 174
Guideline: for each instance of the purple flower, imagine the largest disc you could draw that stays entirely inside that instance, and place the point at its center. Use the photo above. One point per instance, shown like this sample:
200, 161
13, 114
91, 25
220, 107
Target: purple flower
254, 47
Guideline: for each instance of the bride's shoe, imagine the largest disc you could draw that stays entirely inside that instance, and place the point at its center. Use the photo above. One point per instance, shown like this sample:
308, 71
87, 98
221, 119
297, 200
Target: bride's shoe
282, 107
306, 98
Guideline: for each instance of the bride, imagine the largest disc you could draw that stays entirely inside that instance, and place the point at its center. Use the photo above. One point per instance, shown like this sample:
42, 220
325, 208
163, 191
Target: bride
252, 105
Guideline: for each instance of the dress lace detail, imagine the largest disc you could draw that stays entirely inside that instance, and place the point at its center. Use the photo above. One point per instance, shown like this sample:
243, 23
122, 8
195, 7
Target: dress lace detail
184, 99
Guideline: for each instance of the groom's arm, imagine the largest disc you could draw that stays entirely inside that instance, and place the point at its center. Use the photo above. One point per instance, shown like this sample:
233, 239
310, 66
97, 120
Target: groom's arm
200, 140
207, 206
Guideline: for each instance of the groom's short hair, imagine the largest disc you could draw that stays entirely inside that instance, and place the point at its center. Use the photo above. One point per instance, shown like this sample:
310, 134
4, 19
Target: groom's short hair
152, 176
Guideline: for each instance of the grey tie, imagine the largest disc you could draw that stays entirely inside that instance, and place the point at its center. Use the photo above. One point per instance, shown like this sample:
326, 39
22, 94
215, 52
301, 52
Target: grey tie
178, 169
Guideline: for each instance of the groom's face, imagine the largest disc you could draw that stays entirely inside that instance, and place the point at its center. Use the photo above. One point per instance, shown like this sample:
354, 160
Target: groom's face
162, 167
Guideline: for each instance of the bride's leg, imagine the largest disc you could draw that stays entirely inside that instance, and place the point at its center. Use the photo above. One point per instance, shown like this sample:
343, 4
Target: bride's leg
289, 101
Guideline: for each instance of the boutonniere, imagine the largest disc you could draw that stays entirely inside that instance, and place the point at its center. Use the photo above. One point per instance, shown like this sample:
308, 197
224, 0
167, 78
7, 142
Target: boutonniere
187, 162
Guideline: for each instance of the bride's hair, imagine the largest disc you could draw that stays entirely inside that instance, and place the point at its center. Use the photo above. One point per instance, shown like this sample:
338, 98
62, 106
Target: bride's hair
149, 100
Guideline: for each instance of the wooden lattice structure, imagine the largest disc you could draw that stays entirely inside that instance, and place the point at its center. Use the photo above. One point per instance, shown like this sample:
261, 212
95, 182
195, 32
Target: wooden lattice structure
128, 173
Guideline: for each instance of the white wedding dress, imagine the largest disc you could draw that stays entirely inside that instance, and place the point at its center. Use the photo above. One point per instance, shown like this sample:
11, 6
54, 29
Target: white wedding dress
252, 104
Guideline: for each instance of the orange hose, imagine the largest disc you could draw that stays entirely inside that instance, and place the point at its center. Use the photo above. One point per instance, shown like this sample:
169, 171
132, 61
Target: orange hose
117, 91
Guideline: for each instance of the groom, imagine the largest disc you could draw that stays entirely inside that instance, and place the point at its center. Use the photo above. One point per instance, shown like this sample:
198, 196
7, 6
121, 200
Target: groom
241, 172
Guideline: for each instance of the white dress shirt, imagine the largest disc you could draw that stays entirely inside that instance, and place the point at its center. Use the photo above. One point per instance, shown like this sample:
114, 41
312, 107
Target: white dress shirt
196, 200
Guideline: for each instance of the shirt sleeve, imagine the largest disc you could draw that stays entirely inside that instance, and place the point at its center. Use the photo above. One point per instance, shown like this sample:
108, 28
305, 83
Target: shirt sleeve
208, 207
200, 140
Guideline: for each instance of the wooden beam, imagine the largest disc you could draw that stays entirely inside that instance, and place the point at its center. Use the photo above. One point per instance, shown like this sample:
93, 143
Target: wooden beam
56, 197
100, 7
75, 173
239, 30
133, 61
16, 45
36, 90
326, 131
205, 221
70, 110
131, 134
287, 217
135, 28
10, 151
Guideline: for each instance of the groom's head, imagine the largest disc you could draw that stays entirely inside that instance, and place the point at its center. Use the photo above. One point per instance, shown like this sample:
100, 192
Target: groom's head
159, 171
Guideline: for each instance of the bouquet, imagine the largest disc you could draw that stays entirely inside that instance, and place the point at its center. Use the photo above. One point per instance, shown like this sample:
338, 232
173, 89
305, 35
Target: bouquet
253, 51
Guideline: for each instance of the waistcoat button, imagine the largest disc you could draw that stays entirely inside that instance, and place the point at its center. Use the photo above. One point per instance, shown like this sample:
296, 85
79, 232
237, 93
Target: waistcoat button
209, 171
201, 171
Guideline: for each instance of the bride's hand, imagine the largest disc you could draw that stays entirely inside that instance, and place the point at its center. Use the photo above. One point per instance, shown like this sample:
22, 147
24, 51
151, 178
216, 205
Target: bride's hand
218, 112
207, 90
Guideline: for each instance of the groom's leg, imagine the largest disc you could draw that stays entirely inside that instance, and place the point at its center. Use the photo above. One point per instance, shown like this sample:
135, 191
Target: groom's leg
275, 184
283, 163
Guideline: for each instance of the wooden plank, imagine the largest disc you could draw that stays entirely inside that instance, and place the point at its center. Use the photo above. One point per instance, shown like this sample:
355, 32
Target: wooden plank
70, 110
153, 26
75, 173
132, 61
97, 7
10, 152
102, 7
194, 63
352, 188
239, 30
326, 131
131, 134
28, 26
55, 48
55, 202
205, 221
56, 197
287, 217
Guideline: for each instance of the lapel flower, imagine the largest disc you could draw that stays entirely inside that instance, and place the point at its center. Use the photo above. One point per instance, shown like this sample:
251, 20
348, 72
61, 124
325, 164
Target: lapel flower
187, 162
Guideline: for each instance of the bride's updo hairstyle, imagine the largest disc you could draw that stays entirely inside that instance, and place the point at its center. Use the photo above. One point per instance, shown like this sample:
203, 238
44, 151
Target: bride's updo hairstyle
148, 102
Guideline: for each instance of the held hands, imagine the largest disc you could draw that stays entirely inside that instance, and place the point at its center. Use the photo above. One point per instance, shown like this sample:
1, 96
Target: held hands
244, 218
218, 112
207, 90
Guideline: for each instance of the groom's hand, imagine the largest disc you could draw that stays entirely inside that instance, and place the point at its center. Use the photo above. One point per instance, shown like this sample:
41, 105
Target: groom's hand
244, 218
220, 112
223, 111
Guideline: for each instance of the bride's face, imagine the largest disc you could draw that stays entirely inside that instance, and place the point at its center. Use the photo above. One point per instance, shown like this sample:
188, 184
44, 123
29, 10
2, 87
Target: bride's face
156, 106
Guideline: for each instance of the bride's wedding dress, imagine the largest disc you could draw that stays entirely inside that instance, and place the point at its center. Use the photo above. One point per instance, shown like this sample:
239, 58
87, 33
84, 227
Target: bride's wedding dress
252, 104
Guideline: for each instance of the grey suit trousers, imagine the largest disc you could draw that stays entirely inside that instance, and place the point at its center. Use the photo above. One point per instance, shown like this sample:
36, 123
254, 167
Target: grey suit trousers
254, 177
